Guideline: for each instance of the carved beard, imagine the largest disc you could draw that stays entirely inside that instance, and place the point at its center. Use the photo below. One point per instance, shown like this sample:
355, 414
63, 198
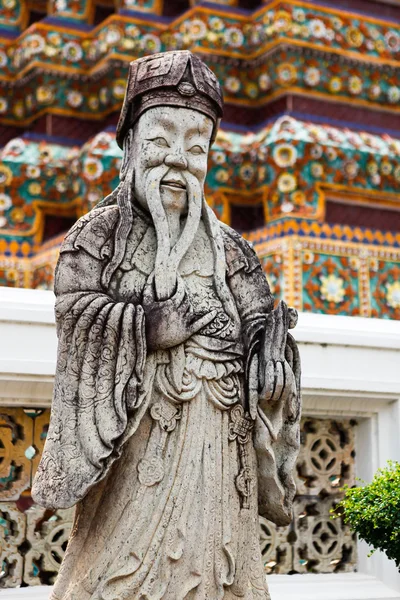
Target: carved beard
168, 258
123, 196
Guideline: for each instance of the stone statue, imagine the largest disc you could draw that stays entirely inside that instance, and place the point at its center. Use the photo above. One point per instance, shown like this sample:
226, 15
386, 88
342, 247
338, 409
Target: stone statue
175, 417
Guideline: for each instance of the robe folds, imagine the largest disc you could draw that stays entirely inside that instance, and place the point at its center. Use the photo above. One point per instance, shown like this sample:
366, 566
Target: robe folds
168, 473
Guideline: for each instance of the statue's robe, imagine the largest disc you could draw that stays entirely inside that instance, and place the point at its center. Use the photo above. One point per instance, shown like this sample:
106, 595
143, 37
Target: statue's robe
157, 448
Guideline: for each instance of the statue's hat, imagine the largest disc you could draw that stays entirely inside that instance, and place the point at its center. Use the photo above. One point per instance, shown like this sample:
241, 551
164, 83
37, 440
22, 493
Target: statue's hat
176, 78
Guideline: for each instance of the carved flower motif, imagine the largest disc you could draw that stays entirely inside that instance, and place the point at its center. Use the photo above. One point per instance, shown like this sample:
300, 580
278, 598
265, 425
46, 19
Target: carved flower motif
354, 37
335, 85
197, 29
287, 73
287, 183
308, 257
119, 89
92, 168
355, 85
234, 37
151, 43
252, 90
17, 215
393, 294
331, 153
232, 84
285, 155
44, 94
5, 201
5, 175
299, 15
317, 28
282, 21
317, 170
72, 52
350, 169
332, 288
312, 76
36, 43
372, 167
386, 167
222, 175
397, 173
247, 171
264, 81
216, 24
392, 39
74, 98
393, 94
151, 471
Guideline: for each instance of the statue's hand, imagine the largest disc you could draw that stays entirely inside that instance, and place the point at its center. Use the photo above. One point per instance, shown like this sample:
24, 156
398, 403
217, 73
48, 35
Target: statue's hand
172, 321
275, 374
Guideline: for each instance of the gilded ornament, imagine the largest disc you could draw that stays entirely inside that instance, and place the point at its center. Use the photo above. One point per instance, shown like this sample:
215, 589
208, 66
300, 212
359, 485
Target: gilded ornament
355, 85
335, 85
317, 170
287, 183
354, 37
282, 21
287, 73
17, 215
284, 155
6, 175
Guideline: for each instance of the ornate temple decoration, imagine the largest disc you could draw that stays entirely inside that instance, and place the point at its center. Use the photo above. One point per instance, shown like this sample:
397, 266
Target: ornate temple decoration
284, 47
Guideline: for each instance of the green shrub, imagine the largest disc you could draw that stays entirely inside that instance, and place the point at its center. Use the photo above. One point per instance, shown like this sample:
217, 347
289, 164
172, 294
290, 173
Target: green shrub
373, 511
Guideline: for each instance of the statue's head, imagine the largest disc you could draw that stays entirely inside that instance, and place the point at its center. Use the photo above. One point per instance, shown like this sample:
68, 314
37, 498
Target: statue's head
169, 119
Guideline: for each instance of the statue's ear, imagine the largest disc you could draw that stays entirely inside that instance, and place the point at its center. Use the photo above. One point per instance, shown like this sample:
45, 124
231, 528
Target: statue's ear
128, 145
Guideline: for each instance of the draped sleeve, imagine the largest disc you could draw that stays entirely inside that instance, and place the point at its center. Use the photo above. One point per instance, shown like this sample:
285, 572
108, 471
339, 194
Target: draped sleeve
276, 434
100, 364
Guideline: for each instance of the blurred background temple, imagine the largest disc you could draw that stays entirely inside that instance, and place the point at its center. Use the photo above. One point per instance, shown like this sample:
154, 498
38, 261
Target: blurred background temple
306, 165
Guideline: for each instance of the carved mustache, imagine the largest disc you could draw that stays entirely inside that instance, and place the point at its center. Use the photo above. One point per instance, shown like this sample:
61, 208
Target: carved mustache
168, 258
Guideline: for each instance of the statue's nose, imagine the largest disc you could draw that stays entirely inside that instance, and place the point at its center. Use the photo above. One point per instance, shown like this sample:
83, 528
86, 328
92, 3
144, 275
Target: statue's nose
176, 160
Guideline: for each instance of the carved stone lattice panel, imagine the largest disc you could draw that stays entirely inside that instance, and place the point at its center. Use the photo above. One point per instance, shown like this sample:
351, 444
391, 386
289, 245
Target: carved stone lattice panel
16, 436
314, 541
22, 436
40, 429
47, 536
323, 544
326, 459
277, 551
12, 536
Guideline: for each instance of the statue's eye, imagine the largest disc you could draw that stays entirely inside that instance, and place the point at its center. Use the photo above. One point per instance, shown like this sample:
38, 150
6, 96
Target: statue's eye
160, 141
196, 150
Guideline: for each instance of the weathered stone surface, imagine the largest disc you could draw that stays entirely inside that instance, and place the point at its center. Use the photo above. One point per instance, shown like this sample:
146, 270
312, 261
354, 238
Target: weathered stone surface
176, 408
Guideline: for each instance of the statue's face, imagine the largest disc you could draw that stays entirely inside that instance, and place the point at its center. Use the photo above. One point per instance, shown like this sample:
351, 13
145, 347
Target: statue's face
179, 140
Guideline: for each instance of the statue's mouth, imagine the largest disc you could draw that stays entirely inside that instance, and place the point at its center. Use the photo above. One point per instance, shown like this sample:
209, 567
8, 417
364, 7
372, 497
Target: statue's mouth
175, 184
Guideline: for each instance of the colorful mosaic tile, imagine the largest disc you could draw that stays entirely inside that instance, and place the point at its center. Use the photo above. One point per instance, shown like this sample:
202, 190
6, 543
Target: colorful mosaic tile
51, 54
291, 166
